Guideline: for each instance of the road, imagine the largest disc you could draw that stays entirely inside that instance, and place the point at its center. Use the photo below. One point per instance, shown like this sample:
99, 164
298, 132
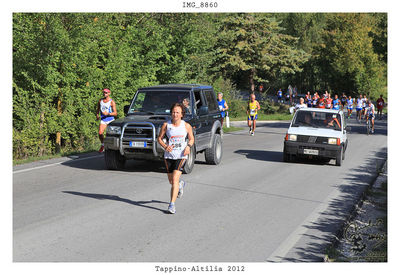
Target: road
250, 208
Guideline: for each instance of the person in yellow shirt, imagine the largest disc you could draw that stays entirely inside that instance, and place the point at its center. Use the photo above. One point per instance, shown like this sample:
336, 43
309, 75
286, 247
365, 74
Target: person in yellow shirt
252, 109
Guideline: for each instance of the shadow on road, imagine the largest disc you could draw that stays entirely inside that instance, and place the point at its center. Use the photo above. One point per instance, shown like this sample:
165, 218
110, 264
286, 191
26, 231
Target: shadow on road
117, 198
276, 156
331, 221
130, 165
272, 156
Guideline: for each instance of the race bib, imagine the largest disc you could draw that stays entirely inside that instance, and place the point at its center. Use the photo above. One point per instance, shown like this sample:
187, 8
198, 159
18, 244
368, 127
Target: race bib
177, 143
252, 112
220, 107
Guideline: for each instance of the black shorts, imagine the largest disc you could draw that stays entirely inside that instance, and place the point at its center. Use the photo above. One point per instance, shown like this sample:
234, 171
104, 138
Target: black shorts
174, 164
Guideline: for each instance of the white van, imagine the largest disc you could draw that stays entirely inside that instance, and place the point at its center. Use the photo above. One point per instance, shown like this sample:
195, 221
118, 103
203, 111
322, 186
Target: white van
316, 133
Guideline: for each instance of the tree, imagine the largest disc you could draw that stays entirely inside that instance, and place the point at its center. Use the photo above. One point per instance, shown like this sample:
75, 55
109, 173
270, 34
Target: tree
254, 45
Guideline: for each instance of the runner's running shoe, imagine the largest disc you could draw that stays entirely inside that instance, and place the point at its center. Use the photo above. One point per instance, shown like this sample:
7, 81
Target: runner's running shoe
101, 150
252, 133
171, 208
182, 185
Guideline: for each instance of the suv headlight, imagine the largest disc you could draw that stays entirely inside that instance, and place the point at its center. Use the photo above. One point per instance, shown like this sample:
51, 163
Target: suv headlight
114, 130
292, 137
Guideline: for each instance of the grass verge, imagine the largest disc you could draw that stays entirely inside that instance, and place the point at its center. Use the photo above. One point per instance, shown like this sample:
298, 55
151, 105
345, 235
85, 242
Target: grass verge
59, 155
231, 129
265, 117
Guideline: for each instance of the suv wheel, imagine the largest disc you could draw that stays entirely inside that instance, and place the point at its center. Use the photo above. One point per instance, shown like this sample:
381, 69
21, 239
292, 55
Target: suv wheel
114, 160
339, 156
213, 155
190, 161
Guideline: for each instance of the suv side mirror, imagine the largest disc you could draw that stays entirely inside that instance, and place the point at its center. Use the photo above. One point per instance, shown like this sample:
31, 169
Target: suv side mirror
126, 109
203, 110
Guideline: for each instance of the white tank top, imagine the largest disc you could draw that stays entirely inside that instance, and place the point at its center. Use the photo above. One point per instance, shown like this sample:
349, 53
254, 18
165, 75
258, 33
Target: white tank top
177, 138
105, 106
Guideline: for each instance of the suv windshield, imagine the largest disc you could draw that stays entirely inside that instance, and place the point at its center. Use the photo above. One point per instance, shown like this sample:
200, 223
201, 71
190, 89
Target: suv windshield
317, 120
159, 102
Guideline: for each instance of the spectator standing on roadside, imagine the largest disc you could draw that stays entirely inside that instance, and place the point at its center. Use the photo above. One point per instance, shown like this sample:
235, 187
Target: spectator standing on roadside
106, 111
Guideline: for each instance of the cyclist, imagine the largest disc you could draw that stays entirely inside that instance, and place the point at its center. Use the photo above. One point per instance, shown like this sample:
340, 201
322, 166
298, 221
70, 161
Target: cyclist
106, 111
176, 149
380, 104
349, 106
336, 103
364, 104
370, 114
359, 107
252, 109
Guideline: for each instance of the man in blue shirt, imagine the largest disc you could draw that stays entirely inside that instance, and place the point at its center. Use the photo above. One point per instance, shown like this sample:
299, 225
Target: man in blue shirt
223, 106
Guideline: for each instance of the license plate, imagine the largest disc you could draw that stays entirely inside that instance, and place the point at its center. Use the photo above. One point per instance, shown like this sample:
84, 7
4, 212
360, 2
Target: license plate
311, 152
138, 144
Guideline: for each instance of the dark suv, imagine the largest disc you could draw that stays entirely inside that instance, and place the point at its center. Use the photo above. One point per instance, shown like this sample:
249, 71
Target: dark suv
135, 136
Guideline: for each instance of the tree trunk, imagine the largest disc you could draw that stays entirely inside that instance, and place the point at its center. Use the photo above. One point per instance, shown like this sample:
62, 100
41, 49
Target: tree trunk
58, 134
252, 74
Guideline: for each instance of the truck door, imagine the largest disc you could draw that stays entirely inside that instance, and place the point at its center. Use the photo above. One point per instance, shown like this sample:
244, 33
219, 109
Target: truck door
200, 125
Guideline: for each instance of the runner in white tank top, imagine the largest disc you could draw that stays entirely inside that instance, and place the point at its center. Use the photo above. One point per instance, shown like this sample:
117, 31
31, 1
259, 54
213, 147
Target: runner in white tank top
176, 136
177, 150
107, 111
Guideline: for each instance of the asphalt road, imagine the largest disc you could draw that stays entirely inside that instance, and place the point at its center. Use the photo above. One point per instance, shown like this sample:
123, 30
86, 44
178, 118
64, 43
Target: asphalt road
250, 208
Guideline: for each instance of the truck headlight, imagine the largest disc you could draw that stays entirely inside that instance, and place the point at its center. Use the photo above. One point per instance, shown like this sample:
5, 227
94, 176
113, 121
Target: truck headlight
292, 137
335, 141
114, 130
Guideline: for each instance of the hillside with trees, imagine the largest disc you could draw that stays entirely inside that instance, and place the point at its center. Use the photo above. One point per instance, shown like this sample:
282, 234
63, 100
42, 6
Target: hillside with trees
62, 61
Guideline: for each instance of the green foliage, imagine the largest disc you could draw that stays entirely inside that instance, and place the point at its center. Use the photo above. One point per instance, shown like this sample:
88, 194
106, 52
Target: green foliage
62, 61
254, 45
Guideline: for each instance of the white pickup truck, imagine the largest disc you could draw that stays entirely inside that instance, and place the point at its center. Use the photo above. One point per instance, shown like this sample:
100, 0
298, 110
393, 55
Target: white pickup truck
316, 133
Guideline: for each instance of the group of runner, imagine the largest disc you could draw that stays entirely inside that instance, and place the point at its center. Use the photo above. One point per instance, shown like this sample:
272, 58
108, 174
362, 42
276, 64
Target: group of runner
180, 134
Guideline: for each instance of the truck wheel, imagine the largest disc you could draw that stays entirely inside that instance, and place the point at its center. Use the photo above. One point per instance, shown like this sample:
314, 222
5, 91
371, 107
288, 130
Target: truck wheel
114, 160
339, 156
187, 169
213, 155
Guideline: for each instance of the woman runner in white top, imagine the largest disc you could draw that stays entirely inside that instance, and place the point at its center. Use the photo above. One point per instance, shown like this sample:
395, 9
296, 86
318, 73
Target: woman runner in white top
176, 150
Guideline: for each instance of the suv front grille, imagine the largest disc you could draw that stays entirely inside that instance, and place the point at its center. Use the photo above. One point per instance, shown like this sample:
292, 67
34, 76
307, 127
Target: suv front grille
138, 131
